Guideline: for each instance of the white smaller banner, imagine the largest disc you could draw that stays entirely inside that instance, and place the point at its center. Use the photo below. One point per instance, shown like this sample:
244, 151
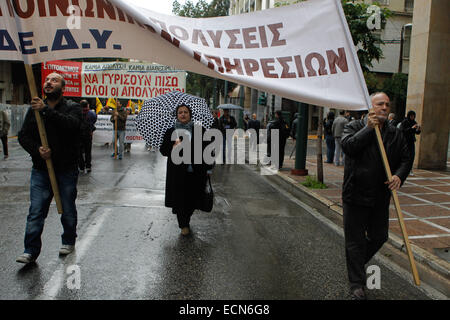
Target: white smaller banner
104, 130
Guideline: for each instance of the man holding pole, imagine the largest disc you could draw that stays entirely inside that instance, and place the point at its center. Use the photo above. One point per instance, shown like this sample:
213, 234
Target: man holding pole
62, 119
366, 193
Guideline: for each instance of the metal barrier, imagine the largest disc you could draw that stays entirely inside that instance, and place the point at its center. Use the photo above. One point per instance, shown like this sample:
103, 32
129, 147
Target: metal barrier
16, 114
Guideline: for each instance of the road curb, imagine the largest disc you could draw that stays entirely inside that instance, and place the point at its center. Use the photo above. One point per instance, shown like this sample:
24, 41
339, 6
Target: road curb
324, 205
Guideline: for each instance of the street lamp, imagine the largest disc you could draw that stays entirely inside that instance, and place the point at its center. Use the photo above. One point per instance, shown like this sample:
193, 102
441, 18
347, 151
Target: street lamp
400, 59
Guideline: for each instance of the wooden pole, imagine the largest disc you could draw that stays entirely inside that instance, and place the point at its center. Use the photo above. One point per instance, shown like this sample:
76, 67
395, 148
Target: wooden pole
115, 137
398, 209
43, 136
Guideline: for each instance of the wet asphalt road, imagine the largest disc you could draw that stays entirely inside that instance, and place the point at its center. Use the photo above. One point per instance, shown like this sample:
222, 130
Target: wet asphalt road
256, 244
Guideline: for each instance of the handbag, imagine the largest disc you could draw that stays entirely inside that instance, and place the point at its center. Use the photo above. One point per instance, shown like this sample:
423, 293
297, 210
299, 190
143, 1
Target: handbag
208, 197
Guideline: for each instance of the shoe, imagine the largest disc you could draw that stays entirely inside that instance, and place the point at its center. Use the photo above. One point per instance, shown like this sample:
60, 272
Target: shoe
185, 231
6, 157
359, 294
120, 157
25, 258
66, 249
88, 170
112, 156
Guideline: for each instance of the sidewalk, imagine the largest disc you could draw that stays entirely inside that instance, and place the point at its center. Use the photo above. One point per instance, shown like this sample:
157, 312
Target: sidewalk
424, 200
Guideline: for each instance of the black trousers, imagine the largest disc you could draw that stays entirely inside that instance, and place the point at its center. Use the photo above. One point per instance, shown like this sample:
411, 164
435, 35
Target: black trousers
85, 157
366, 230
5, 144
183, 217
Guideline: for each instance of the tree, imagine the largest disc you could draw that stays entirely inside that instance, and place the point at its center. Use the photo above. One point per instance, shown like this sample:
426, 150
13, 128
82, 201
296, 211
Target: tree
198, 84
396, 88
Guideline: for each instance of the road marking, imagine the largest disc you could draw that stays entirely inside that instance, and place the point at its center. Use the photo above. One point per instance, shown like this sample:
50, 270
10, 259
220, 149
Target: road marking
429, 236
54, 285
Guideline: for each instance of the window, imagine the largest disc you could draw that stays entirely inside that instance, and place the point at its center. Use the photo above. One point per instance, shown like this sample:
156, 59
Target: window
407, 42
409, 5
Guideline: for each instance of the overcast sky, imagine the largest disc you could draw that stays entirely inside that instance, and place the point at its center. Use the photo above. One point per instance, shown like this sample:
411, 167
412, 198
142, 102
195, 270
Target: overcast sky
161, 6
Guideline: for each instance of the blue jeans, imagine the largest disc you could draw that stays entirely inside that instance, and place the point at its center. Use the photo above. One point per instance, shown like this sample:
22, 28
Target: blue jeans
120, 141
330, 148
41, 195
338, 152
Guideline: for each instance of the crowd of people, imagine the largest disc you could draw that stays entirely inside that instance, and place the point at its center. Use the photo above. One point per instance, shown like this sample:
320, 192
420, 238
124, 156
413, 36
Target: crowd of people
366, 191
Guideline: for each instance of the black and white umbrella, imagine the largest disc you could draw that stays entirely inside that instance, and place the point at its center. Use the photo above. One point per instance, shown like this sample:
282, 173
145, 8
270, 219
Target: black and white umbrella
158, 114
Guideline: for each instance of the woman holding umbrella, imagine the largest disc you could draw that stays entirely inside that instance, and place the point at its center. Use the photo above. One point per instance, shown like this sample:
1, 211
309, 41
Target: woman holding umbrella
185, 182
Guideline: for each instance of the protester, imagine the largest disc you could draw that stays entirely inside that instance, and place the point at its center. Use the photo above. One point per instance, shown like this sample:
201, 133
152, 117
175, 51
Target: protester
127, 145
254, 124
246, 120
410, 128
366, 193
216, 122
283, 133
185, 182
62, 119
87, 128
294, 127
348, 116
119, 115
4, 129
329, 139
337, 129
391, 119
227, 121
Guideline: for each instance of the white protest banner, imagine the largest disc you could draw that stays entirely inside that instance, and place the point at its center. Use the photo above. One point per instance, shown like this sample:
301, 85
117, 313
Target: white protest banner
303, 52
104, 130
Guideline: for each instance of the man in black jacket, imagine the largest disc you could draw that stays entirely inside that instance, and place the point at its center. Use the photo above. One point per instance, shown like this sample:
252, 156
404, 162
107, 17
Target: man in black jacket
410, 128
283, 133
227, 122
366, 193
62, 119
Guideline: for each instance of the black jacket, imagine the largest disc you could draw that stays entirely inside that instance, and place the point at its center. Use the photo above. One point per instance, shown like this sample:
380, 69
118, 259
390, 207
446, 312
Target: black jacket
184, 190
327, 127
408, 131
62, 125
364, 173
283, 128
224, 124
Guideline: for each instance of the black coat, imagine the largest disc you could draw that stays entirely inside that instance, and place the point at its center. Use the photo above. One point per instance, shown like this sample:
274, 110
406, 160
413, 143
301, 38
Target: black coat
62, 125
184, 191
409, 132
364, 173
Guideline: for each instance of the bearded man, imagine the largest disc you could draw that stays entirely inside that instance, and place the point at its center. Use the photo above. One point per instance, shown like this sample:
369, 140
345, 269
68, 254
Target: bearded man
62, 119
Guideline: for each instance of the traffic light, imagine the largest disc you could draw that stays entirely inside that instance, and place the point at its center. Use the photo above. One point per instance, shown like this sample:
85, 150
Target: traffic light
262, 99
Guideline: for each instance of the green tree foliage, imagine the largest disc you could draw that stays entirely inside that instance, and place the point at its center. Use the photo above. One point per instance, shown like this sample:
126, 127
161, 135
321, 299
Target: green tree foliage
396, 88
367, 41
198, 84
